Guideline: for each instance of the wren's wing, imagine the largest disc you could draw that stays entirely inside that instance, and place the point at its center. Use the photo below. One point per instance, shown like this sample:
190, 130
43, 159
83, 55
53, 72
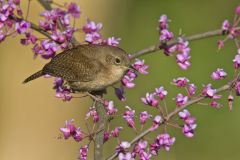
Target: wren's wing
71, 65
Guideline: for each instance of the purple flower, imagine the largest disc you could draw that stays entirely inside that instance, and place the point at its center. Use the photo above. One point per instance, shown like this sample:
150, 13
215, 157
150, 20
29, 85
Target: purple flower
181, 100
144, 116
128, 81
156, 122
112, 41
191, 89
116, 131
139, 148
181, 82
126, 156
209, 91
92, 27
150, 100
163, 22
122, 146
236, 60
74, 10
140, 66
185, 114
165, 35
183, 60
58, 37
70, 130
83, 152
64, 94
188, 130
30, 38
237, 88
145, 156
94, 114
111, 110
129, 117
215, 104
164, 140
22, 27
50, 49
160, 92
237, 10
106, 136
220, 44
2, 36
120, 93
93, 38
218, 74
226, 25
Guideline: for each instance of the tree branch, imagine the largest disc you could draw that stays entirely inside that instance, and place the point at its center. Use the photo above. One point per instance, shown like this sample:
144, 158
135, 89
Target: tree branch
194, 37
172, 114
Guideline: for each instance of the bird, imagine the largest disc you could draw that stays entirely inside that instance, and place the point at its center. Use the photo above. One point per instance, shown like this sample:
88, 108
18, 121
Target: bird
87, 67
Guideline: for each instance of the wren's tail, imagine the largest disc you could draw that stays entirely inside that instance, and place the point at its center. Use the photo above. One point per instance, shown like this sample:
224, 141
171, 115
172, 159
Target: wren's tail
34, 76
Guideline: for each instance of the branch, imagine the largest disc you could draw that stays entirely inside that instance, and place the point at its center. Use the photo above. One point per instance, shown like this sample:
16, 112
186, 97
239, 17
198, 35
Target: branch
194, 37
173, 113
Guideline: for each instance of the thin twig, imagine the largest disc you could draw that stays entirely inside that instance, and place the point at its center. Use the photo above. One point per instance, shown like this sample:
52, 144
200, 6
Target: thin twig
194, 37
170, 115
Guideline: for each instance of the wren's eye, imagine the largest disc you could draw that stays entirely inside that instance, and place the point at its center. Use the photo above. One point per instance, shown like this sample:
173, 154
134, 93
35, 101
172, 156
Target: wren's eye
117, 61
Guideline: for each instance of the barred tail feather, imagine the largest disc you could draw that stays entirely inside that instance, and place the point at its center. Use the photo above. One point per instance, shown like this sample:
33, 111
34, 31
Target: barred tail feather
34, 76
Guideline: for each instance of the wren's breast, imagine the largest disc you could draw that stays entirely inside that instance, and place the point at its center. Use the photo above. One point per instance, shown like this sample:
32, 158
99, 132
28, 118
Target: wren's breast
102, 80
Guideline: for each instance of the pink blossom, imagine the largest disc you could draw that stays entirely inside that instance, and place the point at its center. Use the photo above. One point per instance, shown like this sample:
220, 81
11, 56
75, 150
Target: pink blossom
236, 60
185, 114
129, 117
226, 25
22, 27
122, 146
112, 41
165, 141
111, 110
120, 93
74, 10
182, 60
165, 35
126, 156
83, 152
128, 81
161, 92
181, 81
92, 27
140, 66
181, 100
156, 122
93, 113
144, 116
116, 131
237, 10
163, 22
150, 100
191, 89
209, 91
219, 74
70, 130
237, 88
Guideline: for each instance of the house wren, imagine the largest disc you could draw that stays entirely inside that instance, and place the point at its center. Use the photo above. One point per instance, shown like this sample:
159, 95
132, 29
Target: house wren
88, 67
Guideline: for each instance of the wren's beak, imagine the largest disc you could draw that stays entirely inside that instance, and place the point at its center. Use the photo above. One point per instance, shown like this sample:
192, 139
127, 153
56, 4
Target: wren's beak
129, 68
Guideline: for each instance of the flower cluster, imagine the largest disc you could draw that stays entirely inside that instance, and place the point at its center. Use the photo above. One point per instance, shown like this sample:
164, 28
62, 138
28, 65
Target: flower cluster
150, 98
129, 117
236, 60
62, 91
164, 34
162, 141
189, 123
71, 130
93, 35
218, 74
83, 153
93, 113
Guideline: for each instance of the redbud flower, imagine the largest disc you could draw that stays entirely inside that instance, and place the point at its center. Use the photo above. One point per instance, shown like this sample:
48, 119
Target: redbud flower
2, 36
111, 110
191, 89
128, 81
93, 113
144, 116
139, 148
116, 131
236, 60
237, 88
215, 104
78, 136
50, 49
156, 122
181, 100
93, 38
182, 60
74, 10
129, 117
163, 22
218, 74
112, 41
64, 94
181, 82
22, 27
70, 130
106, 136
230, 102
209, 91
226, 25
150, 100
126, 156
160, 92
220, 44
237, 10
140, 66
91, 27
120, 93
83, 152
122, 146
145, 156
185, 114
188, 130
30, 38
165, 141
165, 35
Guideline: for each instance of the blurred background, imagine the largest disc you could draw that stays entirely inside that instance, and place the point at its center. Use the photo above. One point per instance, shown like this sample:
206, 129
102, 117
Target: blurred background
30, 115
